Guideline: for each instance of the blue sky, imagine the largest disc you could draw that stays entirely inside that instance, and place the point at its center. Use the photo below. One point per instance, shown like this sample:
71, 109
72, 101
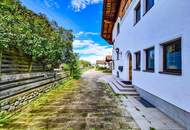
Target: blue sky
84, 17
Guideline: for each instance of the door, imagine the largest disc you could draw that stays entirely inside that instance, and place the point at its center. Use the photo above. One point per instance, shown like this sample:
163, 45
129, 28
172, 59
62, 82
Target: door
130, 67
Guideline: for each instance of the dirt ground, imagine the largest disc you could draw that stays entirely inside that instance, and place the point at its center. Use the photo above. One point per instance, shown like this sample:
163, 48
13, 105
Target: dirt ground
83, 105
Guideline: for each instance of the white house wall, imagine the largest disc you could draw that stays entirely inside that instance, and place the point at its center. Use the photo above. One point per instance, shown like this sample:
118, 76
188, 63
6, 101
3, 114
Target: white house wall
167, 20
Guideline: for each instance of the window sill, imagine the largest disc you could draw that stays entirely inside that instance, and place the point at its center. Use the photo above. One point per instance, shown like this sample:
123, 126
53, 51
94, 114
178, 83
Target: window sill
146, 11
171, 73
136, 22
137, 69
150, 71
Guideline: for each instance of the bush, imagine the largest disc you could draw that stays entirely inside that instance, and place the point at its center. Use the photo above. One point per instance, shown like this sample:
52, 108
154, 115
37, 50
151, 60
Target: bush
74, 66
33, 34
103, 69
100, 68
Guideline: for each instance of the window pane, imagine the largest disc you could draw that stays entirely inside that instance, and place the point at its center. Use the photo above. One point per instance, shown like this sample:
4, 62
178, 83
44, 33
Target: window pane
149, 4
118, 28
173, 56
138, 13
117, 56
138, 60
150, 59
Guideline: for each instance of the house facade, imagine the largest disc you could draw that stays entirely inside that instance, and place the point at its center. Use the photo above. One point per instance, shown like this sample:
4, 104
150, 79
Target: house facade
151, 43
108, 60
101, 63
106, 63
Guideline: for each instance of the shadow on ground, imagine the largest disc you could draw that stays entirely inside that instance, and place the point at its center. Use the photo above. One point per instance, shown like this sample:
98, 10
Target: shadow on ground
82, 105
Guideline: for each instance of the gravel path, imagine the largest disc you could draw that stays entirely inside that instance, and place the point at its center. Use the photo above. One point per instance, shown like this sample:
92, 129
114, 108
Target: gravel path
86, 106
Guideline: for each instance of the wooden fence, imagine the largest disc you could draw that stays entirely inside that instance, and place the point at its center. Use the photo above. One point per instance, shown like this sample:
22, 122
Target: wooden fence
21, 80
14, 62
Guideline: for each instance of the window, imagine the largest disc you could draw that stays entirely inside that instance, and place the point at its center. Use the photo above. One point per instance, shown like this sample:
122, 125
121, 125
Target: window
117, 56
138, 60
117, 52
138, 13
172, 56
118, 29
113, 65
150, 59
149, 4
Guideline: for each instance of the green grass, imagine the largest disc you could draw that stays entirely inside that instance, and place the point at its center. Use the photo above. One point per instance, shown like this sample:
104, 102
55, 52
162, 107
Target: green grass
152, 128
103, 69
37, 103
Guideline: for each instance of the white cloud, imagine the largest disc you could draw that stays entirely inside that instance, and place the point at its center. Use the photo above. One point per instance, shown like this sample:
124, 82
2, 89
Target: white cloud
85, 34
51, 3
90, 50
78, 5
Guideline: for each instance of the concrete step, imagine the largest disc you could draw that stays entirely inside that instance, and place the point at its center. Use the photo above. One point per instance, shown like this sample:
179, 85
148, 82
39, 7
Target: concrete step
122, 84
121, 88
117, 91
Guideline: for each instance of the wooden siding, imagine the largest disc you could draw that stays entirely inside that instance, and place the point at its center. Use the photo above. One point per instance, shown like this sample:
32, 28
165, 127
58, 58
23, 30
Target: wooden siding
123, 7
112, 9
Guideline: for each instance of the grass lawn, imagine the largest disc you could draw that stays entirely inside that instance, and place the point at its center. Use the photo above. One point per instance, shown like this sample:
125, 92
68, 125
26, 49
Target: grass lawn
7, 117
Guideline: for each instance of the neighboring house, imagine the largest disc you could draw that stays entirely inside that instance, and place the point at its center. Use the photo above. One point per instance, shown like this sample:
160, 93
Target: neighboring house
109, 62
151, 48
101, 63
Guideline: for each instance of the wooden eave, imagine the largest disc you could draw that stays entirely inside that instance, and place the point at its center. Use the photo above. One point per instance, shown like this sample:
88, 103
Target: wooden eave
110, 13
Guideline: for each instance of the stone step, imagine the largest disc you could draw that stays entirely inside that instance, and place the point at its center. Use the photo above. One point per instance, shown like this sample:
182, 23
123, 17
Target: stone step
122, 84
117, 91
121, 88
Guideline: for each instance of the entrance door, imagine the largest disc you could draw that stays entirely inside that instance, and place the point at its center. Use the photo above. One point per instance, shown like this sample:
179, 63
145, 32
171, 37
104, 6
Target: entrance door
130, 67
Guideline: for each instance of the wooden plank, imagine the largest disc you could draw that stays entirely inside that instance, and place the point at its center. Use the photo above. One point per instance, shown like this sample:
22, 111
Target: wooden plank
13, 61
14, 65
4, 70
0, 60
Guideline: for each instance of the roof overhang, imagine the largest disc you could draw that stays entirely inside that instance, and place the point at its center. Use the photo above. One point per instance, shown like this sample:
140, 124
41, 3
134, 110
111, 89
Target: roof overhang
110, 12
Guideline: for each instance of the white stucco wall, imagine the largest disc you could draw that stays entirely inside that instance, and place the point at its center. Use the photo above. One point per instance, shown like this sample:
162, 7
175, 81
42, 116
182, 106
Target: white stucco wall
167, 20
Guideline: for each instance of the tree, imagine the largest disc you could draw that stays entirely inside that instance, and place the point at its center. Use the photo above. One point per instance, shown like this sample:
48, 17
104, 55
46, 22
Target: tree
84, 63
44, 41
74, 66
33, 34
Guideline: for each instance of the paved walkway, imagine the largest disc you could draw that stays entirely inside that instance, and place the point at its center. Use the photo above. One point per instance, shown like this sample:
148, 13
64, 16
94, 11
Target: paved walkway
145, 117
86, 106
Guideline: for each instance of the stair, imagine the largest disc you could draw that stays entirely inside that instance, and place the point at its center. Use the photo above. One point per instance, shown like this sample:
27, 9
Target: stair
123, 89
122, 83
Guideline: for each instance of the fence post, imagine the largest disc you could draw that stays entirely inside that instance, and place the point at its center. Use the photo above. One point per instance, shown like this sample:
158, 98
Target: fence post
1, 54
